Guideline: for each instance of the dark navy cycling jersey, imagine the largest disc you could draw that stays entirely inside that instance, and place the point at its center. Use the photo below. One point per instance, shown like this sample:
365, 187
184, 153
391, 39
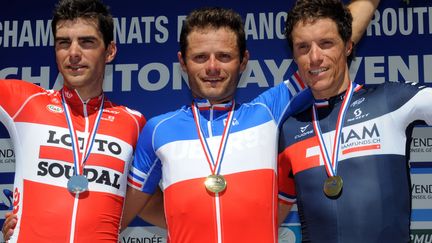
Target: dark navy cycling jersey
374, 205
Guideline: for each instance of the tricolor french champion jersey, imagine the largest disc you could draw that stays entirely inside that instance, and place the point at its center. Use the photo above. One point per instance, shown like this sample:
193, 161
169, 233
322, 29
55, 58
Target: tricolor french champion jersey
46, 210
169, 152
374, 205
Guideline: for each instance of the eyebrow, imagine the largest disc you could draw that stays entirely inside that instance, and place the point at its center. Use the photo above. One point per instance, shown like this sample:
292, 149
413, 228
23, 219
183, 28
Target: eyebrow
90, 37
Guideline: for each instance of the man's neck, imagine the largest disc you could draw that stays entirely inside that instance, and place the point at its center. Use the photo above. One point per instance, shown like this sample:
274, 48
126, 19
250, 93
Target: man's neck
327, 94
85, 94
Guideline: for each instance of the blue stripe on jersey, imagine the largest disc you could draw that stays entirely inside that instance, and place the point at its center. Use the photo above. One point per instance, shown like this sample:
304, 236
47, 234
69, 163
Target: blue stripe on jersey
179, 125
136, 178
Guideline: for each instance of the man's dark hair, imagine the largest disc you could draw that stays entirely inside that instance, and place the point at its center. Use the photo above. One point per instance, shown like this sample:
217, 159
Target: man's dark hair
213, 17
88, 9
312, 10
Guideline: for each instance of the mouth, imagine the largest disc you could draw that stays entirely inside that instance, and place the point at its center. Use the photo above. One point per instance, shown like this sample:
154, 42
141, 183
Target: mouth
76, 68
318, 71
212, 80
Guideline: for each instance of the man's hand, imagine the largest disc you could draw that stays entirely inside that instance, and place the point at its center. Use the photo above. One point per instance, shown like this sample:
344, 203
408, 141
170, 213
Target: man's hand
9, 225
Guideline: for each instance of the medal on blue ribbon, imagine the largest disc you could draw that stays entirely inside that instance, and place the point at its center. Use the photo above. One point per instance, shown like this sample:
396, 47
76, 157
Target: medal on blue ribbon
333, 184
215, 182
78, 183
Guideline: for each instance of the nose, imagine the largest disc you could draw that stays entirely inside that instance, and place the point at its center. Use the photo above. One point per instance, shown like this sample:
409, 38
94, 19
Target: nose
212, 67
315, 54
74, 52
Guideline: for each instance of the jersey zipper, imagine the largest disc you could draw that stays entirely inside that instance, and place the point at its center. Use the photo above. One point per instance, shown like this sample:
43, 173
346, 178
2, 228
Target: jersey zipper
76, 200
216, 198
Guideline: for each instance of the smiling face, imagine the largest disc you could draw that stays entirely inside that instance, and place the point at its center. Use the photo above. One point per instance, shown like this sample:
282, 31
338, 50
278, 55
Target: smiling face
81, 55
321, 57
212, 63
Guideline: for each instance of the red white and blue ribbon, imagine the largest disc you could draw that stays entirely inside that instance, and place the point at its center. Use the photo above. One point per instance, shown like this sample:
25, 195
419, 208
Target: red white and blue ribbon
79, 161
214, 165
331, 164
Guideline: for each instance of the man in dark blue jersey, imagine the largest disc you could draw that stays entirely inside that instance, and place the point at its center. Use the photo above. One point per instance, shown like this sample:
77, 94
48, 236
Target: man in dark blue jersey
343, 160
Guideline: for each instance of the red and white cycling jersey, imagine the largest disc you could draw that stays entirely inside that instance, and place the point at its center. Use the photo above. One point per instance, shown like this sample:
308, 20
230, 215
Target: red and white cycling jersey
47, 211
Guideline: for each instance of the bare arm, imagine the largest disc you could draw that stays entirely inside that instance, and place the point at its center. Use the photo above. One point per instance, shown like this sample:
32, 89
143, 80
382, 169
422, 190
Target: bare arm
283, 211
362, 12
135, 202
153, 212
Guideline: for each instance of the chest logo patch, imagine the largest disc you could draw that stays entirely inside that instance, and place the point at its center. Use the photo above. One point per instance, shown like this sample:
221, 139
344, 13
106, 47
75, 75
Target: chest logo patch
54, 108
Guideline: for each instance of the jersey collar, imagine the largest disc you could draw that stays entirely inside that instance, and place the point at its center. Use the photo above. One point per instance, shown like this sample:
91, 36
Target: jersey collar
204, 104
334, 99
73, 98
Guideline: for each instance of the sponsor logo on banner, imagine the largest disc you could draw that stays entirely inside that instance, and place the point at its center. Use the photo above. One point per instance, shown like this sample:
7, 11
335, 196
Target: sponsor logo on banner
289, 234
148, 234
6, 202
6, 197
290, 230
421, 236
421, 186
7, 156
421, 145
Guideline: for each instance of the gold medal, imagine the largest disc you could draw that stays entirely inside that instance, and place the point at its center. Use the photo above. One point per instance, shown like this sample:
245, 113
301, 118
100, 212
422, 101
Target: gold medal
333, 186
215, 183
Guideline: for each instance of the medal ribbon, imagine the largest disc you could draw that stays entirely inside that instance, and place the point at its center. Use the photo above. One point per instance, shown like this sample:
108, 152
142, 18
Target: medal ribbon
332, 163
79, 161
214, 166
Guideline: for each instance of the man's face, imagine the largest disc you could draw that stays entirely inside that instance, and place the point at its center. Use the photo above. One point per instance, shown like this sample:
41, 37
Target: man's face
81, 54
212, 63
321, 57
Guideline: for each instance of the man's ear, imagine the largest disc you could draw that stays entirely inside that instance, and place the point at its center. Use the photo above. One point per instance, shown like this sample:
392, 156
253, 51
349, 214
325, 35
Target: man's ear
111, 52
244, 61
349, 48
181, 61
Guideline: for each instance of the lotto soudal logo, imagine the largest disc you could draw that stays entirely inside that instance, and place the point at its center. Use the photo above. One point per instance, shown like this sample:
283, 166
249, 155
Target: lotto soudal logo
99, 144
54, 108
99, 175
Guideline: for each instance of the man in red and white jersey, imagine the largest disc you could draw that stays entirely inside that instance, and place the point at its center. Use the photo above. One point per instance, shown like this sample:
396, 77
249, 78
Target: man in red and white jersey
73, 147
